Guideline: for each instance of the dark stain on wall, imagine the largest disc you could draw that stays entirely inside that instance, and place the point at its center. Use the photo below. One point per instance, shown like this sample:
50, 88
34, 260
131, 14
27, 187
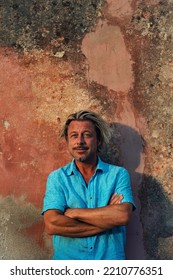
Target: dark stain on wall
37, 24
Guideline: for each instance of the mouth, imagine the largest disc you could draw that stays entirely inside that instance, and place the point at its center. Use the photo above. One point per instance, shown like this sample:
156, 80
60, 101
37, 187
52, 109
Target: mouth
83, 148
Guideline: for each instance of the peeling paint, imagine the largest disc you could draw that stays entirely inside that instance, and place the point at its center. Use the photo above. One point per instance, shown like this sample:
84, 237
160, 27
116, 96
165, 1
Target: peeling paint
6, 124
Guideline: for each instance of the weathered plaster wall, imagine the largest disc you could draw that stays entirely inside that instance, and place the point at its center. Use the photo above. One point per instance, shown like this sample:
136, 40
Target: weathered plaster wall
114, 57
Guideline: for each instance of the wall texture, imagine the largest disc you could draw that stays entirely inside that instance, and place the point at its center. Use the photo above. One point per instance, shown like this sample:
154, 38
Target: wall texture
113, 57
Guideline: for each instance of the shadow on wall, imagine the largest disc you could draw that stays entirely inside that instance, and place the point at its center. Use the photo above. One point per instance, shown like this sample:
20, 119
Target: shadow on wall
152, 221
157, 219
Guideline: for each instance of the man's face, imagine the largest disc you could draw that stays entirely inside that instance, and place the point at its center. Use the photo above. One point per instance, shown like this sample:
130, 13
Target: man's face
82, 141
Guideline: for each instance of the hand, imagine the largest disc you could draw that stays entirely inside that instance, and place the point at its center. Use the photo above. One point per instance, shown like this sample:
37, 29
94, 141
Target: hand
115, 199
69, 212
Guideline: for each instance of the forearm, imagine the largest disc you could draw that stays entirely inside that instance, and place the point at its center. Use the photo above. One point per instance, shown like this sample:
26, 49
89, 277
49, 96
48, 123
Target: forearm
58, 224
103, 217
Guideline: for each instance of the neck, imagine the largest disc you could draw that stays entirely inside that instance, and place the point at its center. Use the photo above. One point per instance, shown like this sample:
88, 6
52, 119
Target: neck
87, 167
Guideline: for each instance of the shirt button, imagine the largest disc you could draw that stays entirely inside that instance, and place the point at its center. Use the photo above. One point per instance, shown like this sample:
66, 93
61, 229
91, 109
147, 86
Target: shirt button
91, 248
90, 197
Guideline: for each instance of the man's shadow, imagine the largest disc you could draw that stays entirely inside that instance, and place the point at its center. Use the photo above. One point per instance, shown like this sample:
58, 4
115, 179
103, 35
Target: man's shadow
152, 221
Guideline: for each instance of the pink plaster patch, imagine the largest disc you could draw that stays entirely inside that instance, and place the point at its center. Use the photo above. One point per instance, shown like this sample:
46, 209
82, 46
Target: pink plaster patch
120, 8
109, 61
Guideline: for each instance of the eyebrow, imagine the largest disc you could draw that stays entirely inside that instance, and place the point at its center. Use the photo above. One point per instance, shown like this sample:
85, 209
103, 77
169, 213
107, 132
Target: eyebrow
82, 132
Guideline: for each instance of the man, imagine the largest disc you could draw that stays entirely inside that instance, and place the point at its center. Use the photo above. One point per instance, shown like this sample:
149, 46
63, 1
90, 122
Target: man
88, 202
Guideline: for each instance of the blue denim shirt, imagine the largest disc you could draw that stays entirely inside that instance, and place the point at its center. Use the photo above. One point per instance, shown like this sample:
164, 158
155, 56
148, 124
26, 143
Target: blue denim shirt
66, 188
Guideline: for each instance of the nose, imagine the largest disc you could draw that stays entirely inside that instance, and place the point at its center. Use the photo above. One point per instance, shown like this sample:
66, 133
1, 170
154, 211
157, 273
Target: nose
81, 139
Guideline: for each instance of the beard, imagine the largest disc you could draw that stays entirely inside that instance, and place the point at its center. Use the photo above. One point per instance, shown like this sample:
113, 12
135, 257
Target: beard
83, 157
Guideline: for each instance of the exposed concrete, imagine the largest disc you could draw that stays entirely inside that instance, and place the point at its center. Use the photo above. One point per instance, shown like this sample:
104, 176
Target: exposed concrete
16, 217
153, 94
113, 57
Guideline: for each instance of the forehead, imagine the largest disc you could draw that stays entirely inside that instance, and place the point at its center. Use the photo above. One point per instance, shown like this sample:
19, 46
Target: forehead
81, 126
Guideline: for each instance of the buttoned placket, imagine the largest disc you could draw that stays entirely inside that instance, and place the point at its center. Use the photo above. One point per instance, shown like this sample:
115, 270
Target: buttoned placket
90, 204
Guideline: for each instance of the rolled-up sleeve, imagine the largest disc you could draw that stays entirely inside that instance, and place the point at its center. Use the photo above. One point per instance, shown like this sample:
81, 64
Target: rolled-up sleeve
54, 196
123, 186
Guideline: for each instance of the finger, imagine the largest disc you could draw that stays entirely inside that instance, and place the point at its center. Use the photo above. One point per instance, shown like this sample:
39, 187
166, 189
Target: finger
113, 196
116, 199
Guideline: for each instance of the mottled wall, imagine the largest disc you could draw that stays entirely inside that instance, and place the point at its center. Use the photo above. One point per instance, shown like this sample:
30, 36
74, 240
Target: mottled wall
113, 57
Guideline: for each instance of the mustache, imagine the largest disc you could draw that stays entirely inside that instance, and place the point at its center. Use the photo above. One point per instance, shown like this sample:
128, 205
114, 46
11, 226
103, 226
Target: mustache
80, 147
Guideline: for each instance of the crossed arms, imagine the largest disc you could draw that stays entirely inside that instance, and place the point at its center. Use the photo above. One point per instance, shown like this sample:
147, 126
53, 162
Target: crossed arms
82, 222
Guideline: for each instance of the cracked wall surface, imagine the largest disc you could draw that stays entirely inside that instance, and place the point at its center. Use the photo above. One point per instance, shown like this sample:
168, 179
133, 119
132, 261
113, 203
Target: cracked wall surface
113, 57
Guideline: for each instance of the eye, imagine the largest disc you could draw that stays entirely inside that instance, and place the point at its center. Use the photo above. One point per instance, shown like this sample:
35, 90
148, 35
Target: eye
87, 135
73, 136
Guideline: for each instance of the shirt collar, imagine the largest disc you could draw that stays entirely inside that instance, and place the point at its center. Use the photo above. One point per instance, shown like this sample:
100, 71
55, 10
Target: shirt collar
72, 167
